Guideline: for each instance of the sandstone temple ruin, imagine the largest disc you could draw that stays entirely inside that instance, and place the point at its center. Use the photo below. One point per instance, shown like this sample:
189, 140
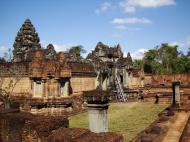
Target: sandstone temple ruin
43, 74
46, 77
40, 80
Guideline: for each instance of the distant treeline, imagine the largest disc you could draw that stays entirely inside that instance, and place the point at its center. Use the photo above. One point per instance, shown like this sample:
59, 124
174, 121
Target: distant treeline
164, 59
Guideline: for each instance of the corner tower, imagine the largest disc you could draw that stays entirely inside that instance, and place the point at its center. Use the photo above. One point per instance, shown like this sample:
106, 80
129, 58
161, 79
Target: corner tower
26, 42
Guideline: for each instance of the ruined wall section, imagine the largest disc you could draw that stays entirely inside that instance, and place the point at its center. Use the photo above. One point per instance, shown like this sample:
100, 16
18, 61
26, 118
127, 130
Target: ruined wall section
79, 84
23, 85
168, 79
83, 76
162, 86
14, 79
135, 82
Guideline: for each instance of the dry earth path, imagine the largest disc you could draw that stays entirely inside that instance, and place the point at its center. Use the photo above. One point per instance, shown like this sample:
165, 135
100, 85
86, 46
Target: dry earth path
176, 128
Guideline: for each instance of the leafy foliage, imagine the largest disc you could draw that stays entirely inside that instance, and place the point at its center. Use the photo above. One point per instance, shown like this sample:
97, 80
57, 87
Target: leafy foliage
164, 60
76, 51
139, 64
181, 64
188, 54
2, 60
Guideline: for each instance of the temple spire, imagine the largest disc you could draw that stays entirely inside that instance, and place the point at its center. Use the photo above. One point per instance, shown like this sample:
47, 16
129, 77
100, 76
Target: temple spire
129, 58
26, 42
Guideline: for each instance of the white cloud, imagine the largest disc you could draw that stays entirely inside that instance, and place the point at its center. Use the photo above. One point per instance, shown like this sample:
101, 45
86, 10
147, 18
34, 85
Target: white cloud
131, 5
84, 55
183, 44
3, 49
61, 47
132, 20
139, 54
58, 47
125, 54
120, 27
104, 7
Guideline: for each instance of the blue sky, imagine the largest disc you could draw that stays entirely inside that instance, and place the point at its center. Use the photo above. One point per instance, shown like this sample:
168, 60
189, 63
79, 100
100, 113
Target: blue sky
137, 25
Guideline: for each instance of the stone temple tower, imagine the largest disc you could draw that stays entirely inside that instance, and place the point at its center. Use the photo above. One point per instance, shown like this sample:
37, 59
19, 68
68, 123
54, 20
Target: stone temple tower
26, 42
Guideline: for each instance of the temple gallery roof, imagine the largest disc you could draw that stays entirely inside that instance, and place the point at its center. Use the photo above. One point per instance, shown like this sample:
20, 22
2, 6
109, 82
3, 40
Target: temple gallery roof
107, 51
103, 55
82, 68
125, 61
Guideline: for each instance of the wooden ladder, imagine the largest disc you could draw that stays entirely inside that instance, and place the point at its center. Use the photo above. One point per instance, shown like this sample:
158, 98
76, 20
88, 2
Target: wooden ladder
121, 96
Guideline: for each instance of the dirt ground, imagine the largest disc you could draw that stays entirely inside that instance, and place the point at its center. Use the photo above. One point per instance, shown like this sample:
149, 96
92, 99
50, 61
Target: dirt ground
176, 127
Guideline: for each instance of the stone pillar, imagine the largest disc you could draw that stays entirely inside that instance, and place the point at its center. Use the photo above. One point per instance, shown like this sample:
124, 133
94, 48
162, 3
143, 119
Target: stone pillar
142, 82
98, 121
97, 82
104, 84
130, 79
47, 88
66, 89
43, 87
97, 105
124, 77
176, 93
56, 88
32, 87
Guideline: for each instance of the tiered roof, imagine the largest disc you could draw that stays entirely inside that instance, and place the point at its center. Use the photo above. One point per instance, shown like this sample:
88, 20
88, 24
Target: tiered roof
26, 41
114, 52
113, 55
125, 61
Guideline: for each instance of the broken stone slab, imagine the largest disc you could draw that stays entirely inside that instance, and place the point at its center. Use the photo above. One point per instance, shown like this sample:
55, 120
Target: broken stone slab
97, 96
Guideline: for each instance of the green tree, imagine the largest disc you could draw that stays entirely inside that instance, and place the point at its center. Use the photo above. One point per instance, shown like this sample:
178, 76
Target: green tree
181, 64
157, 68
164, 60
2, 60
138, 64
151, 55
188, 53
150, 61
160, 59
167, 53
76, 51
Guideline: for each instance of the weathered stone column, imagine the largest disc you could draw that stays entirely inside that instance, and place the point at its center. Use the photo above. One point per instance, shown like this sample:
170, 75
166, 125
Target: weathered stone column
176, 93
97, 105
43, 87
98, 121
65, 89
56, 88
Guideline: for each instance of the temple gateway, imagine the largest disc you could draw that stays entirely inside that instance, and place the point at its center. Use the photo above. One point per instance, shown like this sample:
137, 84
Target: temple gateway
44, 75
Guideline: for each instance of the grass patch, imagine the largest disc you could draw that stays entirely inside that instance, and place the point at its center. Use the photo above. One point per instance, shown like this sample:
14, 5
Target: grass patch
127, 119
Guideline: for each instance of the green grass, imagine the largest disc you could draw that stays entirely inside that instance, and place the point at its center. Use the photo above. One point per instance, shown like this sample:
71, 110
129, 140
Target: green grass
127, 119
